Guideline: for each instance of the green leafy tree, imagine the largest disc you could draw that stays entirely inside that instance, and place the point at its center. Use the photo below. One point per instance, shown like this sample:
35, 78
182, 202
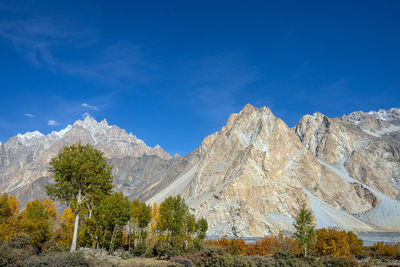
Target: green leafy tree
81, 175
173, 211
304, 229
111, 215
140, 219
202, 227
35, 222
178, 224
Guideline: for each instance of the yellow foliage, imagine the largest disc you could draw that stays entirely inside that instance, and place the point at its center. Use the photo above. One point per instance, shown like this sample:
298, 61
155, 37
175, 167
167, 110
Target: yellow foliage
8, 217
34, 221
50, 208
264, 246
383, 249
332, 242
155, 217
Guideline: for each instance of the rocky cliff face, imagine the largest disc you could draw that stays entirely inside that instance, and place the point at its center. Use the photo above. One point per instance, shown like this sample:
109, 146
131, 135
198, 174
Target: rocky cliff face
249, 178
364, 149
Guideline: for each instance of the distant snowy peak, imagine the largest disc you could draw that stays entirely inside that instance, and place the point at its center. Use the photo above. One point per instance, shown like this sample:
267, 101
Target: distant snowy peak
391, 116
30, 138
114, 141
30, 135
376, 123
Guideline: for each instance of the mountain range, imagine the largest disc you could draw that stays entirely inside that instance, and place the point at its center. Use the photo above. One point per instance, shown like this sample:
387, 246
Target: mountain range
248, 179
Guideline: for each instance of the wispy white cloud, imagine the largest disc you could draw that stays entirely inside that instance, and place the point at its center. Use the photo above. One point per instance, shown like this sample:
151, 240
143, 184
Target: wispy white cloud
29, 115
86, 105
53, 123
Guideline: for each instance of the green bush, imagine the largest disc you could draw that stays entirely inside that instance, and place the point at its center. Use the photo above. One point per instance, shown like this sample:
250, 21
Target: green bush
20, 241
242, 261
212, 256
183, 261
58, 259
7, 257
166, 250
283, 259
140, 249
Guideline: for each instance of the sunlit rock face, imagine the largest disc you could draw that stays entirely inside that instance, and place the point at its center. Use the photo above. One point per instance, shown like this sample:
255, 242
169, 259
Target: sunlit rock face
364, 147
249, 178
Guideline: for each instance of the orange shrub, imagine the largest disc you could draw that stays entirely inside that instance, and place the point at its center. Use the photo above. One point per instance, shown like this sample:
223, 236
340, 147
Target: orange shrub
332, 242
383, 249
232, 246
267, 245
264, 246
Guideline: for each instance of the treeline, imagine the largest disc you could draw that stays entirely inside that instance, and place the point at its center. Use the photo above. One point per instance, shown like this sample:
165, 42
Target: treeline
328, 242
115, 223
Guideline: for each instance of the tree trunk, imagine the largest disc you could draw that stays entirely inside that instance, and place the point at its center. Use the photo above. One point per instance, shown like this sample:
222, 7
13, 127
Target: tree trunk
129, 237
305, 251
75, 236
112, 239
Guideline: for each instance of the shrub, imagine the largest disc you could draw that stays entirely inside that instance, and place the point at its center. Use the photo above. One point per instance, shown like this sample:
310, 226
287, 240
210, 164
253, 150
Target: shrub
242, 261
166, 250
212, 256
183, 261
140, 249
20, 241
337, 262
7, 257
332, 242
58, 259
283, 259
382, 249
264, 246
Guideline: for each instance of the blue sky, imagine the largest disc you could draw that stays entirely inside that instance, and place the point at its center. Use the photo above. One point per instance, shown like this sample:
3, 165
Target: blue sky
171, 72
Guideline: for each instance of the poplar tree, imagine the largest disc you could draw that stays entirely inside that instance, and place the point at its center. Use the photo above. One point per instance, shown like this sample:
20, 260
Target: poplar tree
81, 174
304, 229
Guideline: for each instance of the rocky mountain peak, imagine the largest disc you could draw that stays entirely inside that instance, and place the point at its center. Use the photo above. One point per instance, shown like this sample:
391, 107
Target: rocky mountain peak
91, 124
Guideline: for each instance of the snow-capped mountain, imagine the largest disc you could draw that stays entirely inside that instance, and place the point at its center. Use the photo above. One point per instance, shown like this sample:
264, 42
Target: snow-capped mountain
24, 158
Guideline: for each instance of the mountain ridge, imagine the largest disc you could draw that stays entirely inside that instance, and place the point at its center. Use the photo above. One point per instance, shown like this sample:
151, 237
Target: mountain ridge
250, 177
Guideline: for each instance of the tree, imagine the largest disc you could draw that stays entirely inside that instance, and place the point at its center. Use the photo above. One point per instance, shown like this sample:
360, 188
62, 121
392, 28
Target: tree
111, 215
8, 216
304, 229
178, 224
81, 174
140, 218
172, 213
65, 231
155, 217
35, 222
332, 242
202, 227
